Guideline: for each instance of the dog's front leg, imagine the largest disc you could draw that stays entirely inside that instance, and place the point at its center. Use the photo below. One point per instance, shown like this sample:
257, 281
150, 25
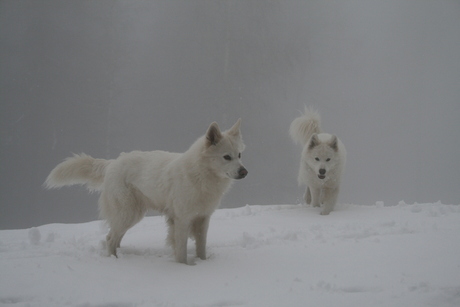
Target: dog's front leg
199, 231
181, 229
330, 198
307, 196
315, 196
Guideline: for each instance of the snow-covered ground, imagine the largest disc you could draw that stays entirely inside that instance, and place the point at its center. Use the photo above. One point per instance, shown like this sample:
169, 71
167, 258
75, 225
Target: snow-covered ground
277, 255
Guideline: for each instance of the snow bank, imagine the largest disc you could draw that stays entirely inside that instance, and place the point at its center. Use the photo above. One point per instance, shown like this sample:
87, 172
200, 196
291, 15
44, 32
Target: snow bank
279, 255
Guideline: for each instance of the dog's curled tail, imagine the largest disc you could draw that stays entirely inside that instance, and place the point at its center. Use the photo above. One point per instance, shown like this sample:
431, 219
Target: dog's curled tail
303, 127
79, 169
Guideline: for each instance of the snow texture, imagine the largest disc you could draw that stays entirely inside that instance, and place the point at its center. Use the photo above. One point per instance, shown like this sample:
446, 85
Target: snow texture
277, 255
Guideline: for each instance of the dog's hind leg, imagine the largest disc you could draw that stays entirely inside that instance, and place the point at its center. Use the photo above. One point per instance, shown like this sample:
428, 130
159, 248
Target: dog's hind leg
199, 231
121, 215
113, 241
118, 227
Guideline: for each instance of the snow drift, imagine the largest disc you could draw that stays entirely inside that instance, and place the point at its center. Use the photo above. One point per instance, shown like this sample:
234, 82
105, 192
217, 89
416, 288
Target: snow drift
277, 255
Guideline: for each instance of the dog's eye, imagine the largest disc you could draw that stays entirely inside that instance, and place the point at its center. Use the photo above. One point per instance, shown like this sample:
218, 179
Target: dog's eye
239, 155
317, 159
328, 159
228, 158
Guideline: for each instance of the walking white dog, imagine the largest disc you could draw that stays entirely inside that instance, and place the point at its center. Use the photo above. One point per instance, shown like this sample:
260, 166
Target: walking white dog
322, 162
186, 187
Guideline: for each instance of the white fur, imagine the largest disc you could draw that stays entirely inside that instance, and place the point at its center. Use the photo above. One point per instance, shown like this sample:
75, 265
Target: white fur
186, 187
322, 162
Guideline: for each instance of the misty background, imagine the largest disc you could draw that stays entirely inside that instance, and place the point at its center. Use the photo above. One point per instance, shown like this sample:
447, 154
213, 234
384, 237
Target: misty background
103, 77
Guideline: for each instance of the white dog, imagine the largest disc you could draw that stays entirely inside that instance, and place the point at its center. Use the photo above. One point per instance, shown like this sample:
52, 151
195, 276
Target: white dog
322, 162
186, 187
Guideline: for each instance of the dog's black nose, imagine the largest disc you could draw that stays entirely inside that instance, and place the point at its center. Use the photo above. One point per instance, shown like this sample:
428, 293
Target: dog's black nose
242, 172
322, 171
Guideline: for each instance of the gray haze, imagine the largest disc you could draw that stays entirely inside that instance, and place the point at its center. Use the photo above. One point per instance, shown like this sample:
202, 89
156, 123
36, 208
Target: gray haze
103, 77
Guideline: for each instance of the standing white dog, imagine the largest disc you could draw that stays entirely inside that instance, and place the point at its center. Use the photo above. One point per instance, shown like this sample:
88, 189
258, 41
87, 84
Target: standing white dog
322, 162
186, 187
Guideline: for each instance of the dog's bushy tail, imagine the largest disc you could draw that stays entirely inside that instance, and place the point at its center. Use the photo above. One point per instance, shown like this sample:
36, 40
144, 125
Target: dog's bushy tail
79, 169
303, 127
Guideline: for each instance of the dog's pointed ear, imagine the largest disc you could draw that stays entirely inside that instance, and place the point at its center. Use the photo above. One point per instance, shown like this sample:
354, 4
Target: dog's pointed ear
213, 135
333, 143
235, 130
314, 141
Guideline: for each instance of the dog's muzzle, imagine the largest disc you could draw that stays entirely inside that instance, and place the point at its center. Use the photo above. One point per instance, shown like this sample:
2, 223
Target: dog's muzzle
322, 173
242, 172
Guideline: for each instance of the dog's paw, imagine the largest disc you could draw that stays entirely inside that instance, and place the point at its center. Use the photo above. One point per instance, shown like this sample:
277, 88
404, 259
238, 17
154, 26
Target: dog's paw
325, 212
191, 261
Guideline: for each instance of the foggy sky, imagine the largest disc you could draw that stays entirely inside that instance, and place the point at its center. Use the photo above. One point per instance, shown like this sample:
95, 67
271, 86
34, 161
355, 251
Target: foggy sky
103, 77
